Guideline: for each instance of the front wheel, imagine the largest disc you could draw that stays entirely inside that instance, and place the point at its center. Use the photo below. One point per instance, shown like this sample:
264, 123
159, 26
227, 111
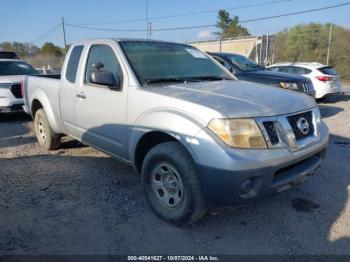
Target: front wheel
171, 184
46, 137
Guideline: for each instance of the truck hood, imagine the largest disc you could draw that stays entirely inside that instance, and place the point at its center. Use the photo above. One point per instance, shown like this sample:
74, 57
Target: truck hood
277, 76
236, 99
11, 79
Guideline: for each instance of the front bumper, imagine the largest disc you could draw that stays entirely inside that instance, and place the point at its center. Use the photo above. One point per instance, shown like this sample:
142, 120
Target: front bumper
14, 107
9, 103
224, 187
233, 176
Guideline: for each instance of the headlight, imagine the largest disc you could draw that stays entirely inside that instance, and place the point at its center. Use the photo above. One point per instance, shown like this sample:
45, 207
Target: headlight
293, 86
239, 133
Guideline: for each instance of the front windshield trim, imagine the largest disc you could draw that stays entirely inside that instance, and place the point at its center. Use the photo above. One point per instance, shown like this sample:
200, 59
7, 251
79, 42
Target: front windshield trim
143, 81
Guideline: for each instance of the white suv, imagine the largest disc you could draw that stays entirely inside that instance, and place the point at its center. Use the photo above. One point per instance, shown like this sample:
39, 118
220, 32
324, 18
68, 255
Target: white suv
324, 78
11, 74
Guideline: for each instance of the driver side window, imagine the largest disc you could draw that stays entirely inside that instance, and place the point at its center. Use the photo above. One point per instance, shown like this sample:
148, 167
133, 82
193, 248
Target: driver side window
105, 55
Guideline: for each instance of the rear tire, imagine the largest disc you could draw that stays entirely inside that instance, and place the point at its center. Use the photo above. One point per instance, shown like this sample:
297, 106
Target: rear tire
46, 137
171, 184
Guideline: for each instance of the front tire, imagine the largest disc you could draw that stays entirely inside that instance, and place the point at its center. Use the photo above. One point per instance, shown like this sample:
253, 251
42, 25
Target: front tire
171, 184
46, 137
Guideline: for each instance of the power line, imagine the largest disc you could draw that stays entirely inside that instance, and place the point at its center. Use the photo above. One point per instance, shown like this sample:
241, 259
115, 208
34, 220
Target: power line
188, 14
260, 18
216, 10
46, 33
212, 25
296, 13
105, 29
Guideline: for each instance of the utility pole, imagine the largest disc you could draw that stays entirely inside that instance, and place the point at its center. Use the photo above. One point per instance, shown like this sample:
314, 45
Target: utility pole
150, 29
329, 43
147, 22
267, 48
261, 48
64, 36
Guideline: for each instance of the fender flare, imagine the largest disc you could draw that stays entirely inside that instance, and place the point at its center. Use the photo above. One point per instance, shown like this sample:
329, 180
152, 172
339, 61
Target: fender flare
40, 96
178, 125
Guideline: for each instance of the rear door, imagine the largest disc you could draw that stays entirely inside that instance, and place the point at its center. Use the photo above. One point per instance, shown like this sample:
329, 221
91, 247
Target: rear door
69, 90
101, 112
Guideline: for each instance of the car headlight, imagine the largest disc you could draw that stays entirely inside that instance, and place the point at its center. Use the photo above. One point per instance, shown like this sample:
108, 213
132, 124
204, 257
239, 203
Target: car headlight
238, 133
293, 86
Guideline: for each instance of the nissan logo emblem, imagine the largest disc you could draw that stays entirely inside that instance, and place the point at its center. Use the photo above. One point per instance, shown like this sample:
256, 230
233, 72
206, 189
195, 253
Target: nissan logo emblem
303, 126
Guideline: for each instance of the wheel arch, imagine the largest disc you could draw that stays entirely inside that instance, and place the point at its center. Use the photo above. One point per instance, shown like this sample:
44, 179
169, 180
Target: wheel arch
159, 126
148, 141
40, 100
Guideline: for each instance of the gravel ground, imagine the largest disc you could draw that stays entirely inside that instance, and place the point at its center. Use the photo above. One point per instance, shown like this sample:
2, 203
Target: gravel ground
77, 200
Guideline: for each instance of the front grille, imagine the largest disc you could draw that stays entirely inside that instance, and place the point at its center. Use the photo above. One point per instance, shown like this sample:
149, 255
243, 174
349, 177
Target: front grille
271, 132
293, 121
16, 90
306, 87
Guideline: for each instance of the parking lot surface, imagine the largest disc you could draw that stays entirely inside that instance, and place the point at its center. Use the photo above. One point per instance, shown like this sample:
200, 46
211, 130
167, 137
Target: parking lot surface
76, 200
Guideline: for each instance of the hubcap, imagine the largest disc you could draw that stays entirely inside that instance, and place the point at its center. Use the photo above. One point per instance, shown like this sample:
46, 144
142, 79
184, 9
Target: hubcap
167, 185
41, 130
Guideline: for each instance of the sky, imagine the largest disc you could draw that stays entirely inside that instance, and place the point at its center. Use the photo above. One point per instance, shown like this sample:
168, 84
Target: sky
28, 21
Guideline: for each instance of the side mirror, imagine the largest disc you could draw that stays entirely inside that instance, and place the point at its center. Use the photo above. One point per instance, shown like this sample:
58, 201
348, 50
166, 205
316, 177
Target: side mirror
105, 78
230, 68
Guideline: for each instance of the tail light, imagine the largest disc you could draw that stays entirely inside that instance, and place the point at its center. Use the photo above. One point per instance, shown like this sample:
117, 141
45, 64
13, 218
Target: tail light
324, 78
22, 88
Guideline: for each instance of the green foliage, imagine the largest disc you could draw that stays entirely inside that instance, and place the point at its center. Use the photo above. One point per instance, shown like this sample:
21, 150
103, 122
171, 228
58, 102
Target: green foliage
49, 49
49, 54
22, 49
229, 27
309, 42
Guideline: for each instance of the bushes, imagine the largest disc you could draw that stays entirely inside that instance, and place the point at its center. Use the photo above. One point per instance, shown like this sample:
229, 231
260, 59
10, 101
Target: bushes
309, 43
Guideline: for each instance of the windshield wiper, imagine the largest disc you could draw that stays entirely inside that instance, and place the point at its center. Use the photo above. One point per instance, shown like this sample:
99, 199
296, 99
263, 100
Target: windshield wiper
185, 79
207, 78
165, 80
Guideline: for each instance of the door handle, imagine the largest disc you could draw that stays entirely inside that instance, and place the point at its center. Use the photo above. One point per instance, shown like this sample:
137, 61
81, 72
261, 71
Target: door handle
81, 96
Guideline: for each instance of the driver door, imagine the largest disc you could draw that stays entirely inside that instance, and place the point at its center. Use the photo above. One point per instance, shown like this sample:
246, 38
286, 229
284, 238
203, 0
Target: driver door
101, 112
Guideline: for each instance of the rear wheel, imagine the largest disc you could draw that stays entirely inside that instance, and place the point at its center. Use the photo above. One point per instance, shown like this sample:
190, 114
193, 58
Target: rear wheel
171, 184
46, 137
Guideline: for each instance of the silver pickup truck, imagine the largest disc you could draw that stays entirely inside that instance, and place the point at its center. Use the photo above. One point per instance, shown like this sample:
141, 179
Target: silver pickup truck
198, 137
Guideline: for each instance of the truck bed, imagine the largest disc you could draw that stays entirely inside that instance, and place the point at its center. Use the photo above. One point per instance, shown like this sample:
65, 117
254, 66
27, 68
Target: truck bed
42, 88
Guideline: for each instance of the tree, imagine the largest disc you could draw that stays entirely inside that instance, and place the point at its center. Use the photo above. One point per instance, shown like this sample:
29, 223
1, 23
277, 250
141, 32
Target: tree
22, 49
6, 46
49, 49
309, 42
229, 27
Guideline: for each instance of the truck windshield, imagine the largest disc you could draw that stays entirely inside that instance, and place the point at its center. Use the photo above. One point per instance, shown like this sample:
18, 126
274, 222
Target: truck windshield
161, 62
8, 68
243, 63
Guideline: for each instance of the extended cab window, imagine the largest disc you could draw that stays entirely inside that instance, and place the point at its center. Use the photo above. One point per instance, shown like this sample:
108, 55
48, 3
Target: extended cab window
105, 55
73, 63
